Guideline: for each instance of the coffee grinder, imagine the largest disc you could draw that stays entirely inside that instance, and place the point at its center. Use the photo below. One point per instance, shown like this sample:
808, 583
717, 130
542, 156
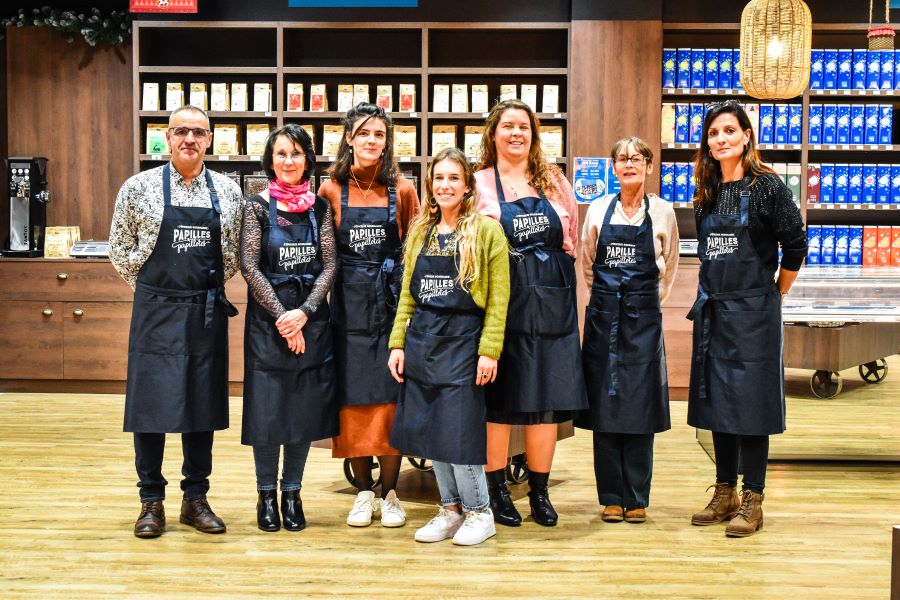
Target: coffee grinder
28, 198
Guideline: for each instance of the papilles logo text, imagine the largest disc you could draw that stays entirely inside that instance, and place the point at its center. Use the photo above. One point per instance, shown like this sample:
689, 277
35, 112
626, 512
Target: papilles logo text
292, 254
721, 244
526, 225
618, 254
366, 235
190, 236
435, 286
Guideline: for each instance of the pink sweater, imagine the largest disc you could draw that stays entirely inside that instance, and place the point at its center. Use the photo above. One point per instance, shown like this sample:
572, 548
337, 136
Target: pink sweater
562, 199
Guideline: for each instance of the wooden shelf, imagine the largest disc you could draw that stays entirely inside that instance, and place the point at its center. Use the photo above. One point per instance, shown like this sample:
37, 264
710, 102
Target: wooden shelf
367, 71
502, 71
703, 92
336, 114
851, 207
401, 160
852, 147
215, 114
854, 93
208, 158
209, 70
483, 115
785, 147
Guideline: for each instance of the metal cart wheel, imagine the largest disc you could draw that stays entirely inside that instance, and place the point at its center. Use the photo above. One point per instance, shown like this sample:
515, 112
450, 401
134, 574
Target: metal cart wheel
374, 466
875, 371
421, 464
824, 386
517, 471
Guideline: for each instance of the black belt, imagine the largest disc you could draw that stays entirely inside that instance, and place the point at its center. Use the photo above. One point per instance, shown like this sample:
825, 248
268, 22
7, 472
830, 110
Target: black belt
213, 295
386, 296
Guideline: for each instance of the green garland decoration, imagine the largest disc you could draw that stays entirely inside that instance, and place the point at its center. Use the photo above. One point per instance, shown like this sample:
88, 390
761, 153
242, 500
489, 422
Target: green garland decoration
113, 28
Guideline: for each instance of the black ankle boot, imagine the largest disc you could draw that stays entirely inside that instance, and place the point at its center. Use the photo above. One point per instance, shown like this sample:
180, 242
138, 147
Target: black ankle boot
539, 498
292, 511
502, 505
267, 517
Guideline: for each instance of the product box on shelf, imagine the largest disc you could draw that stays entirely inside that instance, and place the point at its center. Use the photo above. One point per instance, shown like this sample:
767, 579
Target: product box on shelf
854, 251
857, 124
472, 141
726, 81
813, 183
405, 138
883, 184
859, 69
897, 68
827, 247
885, 123
711, 60
826, 189
318, 98
295, 100
226, 140
407, 97
841, 183
552, 140
442, 136
384, 97
887, 69
829, 124
793, 179
870, 133
239, 96
843, 124
854, 184
529, 96
736, 70
219, 97
682, 116
262, 97
830, 69
549, 98
681, 182
480, 101
360, 93
766, 124
669, 67
841, 244
440, 101
870, 246
869, 184
816, 73
752, 110
508, 91
150, 96
667, 123
813, 244
895, 246
698, 68
883, 256
683, 68
199, 96
695, 127
895, 184
155, 138
331, 139
873, 70
795, 123
692, 182
780, 129
815, 123
174, 95
667, 182
459, 98
257, 134
845, 69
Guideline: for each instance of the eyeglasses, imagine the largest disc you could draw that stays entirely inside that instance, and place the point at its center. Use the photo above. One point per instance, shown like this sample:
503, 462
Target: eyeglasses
283, 156
199, 132
637, 160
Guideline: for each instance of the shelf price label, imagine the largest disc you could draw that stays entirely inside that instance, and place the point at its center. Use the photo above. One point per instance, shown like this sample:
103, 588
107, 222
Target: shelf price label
156, 157
224, 157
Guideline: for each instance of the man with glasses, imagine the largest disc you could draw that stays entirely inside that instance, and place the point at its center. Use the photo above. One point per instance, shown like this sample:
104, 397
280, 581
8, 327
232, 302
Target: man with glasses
174, 239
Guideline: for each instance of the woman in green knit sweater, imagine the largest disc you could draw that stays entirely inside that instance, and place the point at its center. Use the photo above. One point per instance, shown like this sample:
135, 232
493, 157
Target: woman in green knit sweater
451, 318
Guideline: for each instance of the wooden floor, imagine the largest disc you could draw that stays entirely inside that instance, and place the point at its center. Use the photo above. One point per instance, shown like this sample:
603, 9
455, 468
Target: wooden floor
68, 505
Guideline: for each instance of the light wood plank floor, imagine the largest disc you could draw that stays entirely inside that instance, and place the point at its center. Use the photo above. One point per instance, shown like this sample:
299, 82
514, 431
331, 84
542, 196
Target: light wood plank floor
68, 505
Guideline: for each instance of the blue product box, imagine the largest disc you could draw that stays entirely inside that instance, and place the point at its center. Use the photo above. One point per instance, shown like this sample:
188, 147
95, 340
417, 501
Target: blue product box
897, 68
885, 123
845, 69
698, 68
681, 182
873, 70
887, 69
829, 124
841, 183
895, 184
814, 244
854, 184
854, 245
695, 128
826, 191
841, 244
857, 123
670, 57
815, 69
795, 124
830, 69
726, 81
859, 69
843, 124
692, 182
683, 69
667, 182
766, 124
871, 128
681, 122
815, 123
736, 70
883, 184
827, 246
869, 184
712, 68
781, 124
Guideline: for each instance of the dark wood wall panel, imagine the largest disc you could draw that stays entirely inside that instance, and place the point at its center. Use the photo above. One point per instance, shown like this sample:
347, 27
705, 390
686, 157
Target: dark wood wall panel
614, 84
72, 104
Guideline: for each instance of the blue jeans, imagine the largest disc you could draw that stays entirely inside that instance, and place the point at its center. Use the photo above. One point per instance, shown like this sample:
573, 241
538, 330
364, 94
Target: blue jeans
266, 459
462, 484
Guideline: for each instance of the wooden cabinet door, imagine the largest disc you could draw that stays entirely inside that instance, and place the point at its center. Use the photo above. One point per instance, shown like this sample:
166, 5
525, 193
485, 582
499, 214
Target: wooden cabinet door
95, 338
32, 340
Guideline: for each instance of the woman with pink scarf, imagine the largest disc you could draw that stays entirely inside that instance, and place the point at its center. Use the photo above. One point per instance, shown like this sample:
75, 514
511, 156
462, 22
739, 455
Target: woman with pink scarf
288, 260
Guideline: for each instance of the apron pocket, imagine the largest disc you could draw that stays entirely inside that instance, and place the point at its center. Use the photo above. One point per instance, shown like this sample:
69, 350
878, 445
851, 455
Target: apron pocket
640, 337
742, 335
543, 310
317, 335
357, 310
164, 327
440, 359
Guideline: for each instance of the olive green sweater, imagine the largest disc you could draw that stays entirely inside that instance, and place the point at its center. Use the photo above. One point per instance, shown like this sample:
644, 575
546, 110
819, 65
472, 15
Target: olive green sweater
490, 291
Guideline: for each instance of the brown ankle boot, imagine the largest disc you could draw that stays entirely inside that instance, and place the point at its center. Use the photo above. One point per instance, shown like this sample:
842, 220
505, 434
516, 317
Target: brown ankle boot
724, 505
749, 518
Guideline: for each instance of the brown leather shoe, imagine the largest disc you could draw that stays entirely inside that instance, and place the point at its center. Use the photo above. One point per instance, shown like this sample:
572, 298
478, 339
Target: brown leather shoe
636, 515
200, 516
749, 518
152, 521
724, 505
612, 513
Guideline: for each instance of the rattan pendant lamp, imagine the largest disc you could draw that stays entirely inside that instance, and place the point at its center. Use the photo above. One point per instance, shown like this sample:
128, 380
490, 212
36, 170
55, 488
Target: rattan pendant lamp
776, 38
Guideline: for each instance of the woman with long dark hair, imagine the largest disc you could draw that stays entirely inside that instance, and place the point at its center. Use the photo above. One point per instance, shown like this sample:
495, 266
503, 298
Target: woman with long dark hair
743, 212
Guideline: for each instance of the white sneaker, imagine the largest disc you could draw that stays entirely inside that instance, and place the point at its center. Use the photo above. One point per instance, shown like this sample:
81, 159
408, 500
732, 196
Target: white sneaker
392, 514
442, 527
478, 526
361, 513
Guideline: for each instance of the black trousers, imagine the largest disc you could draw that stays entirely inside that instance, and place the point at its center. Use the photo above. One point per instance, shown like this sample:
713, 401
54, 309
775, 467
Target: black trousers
196, 447
752, 450
623, 466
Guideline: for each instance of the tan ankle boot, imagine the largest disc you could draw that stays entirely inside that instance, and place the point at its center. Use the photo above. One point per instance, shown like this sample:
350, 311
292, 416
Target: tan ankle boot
749, 518
724, 505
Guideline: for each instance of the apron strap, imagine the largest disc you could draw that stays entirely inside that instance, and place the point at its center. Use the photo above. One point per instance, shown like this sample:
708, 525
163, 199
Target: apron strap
314, 223
392, 200
167, 188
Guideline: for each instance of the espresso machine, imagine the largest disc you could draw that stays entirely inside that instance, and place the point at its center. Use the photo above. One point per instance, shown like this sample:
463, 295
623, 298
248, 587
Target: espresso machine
28, 198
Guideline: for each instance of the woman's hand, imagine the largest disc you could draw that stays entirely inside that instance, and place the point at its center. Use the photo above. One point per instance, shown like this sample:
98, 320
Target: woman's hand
296, 342
395, 364
486, 371
291, 322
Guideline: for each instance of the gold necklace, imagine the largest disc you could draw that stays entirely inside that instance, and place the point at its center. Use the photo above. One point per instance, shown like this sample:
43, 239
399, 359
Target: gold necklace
359, 187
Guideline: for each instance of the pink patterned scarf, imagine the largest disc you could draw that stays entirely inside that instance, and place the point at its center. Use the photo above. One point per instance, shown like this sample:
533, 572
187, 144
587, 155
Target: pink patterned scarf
297, 197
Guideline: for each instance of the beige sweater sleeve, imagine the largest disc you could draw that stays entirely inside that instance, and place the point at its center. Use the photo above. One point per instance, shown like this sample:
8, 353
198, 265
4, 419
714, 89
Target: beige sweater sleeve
665, 242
